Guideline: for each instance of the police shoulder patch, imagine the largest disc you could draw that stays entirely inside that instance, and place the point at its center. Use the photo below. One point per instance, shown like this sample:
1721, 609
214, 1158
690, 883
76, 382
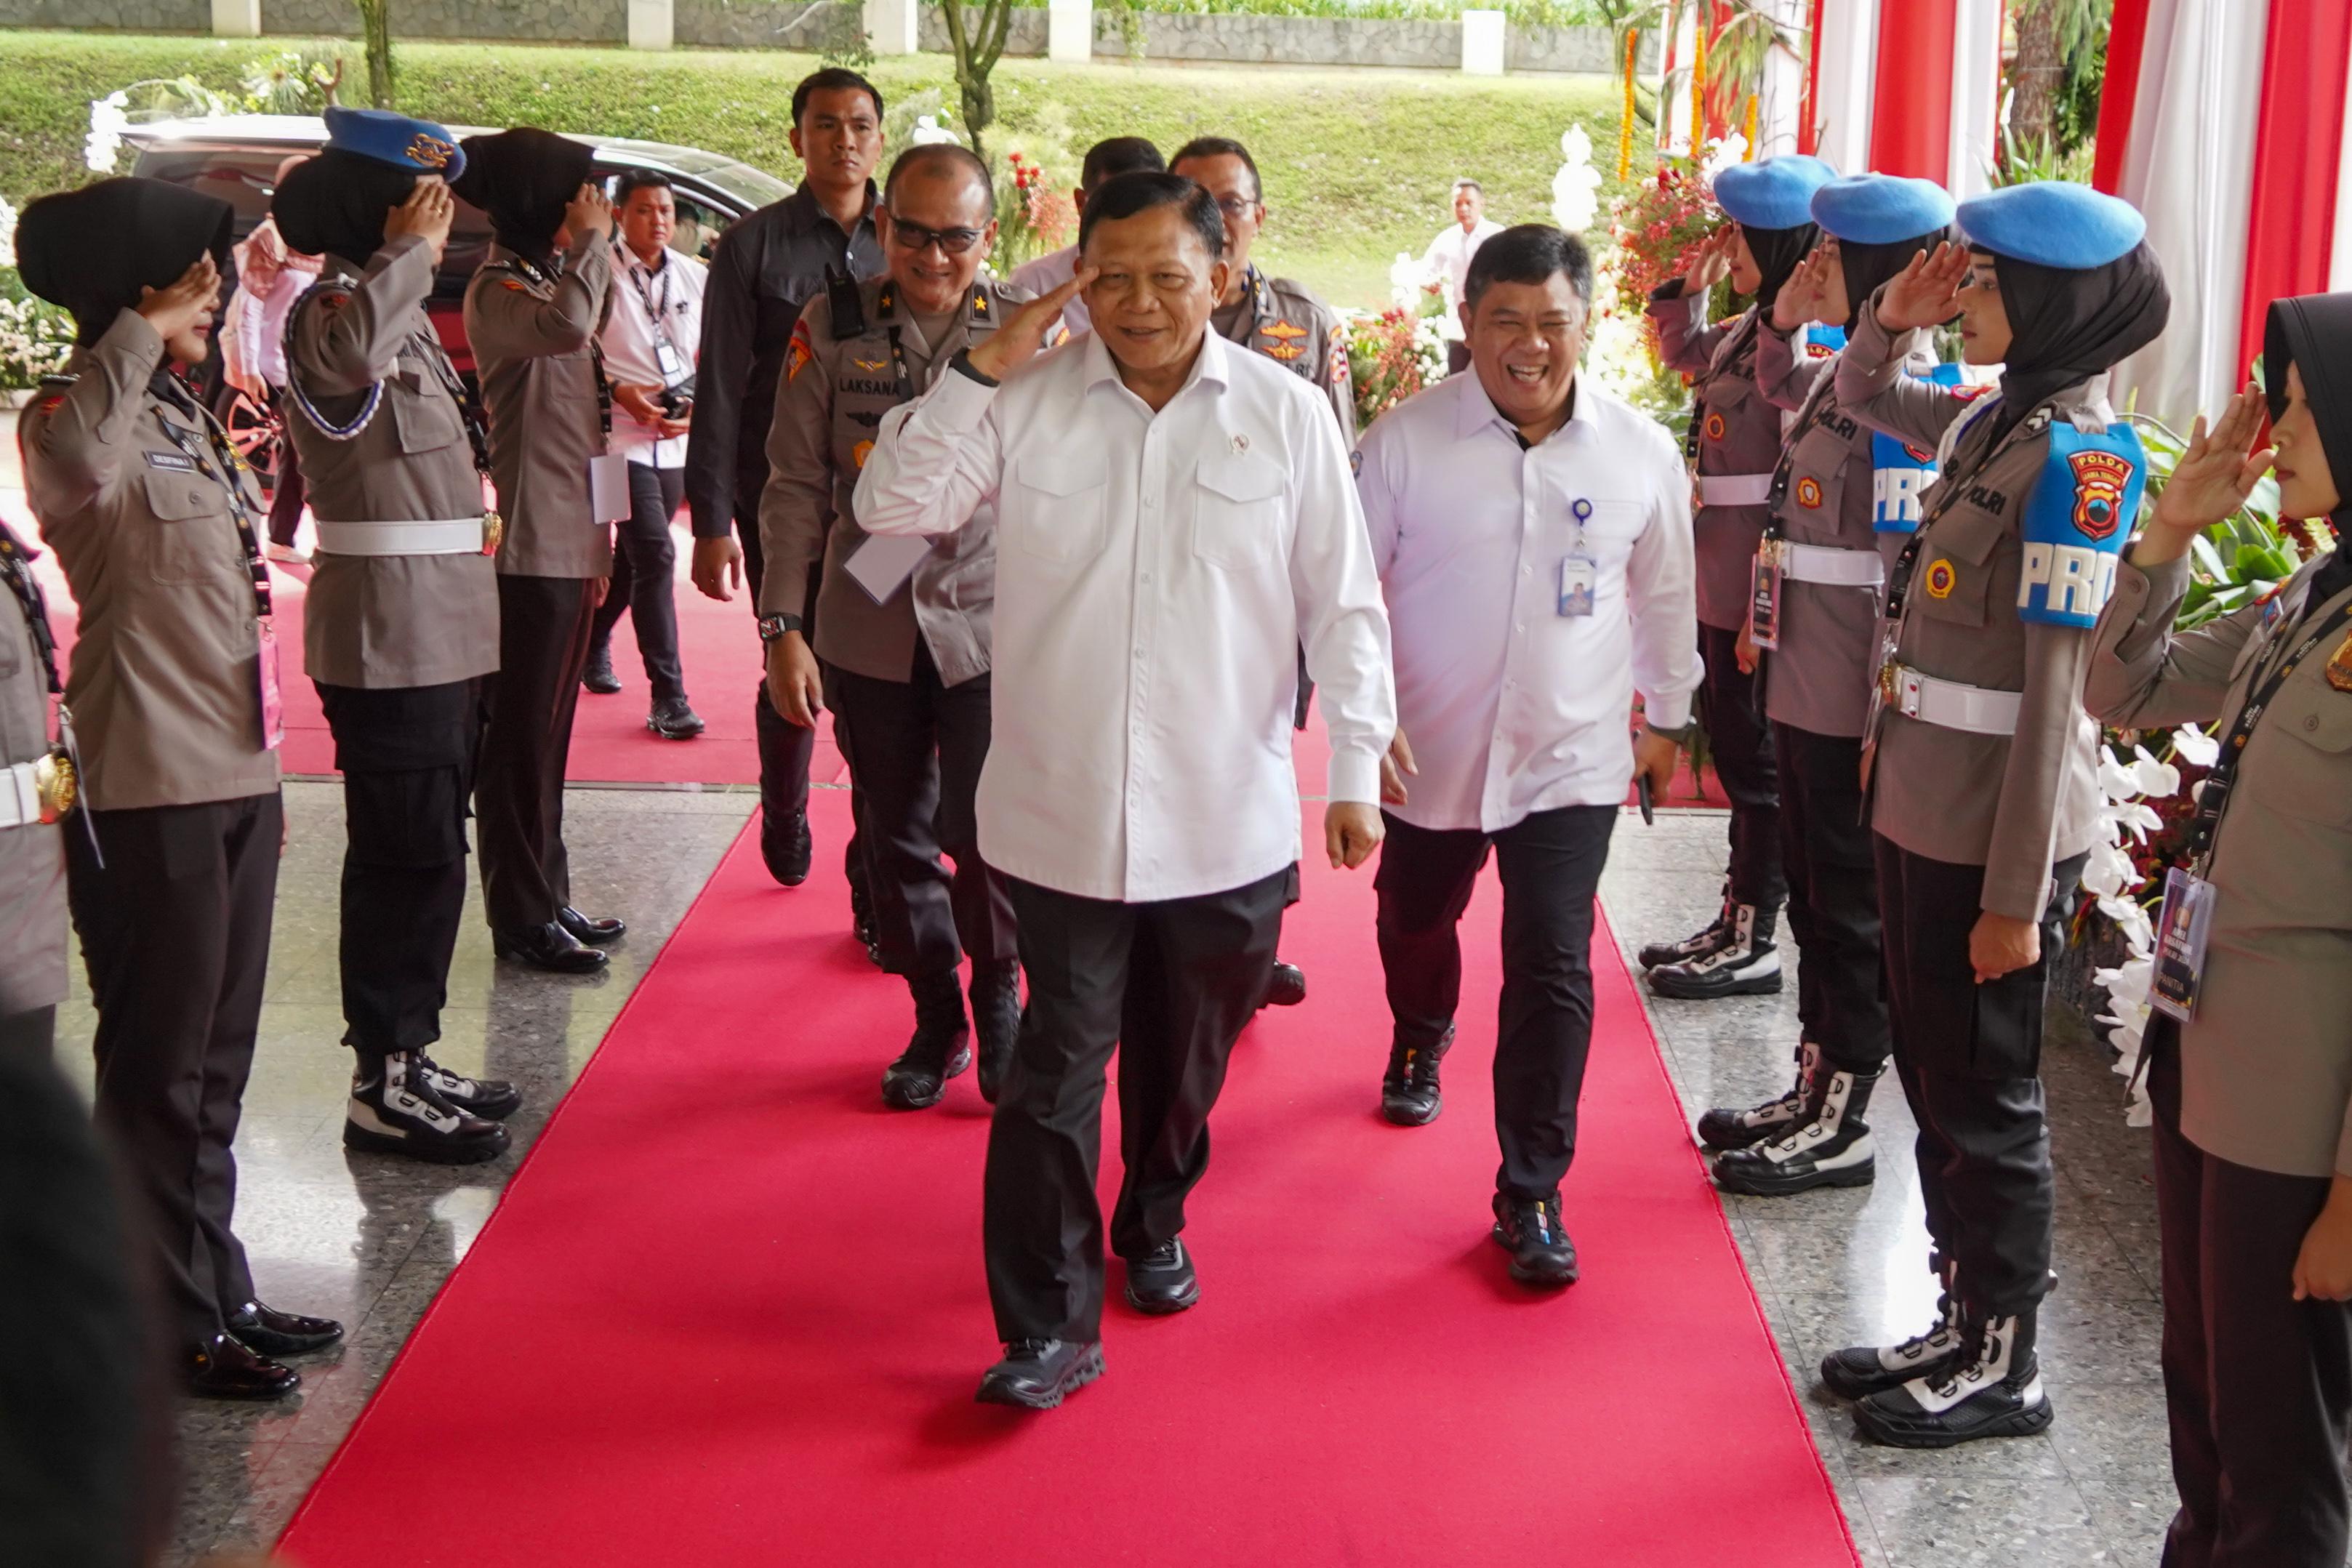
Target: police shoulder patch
799, 352
2076, 522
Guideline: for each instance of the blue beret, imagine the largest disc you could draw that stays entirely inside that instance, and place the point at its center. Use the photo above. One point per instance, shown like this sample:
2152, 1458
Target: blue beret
1772, 192
418, 145
2052, 222
1880, 209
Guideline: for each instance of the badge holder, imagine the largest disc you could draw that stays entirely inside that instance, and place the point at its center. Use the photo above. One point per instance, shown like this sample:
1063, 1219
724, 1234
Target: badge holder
1764, 592
2182, 930
1580, 574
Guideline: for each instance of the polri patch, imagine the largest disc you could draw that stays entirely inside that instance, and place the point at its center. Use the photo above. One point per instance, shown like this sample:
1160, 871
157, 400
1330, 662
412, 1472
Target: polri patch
1809, 491
1942, 578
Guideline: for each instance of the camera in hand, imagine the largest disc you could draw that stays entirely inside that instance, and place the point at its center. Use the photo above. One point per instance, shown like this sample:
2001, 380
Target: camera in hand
676, 401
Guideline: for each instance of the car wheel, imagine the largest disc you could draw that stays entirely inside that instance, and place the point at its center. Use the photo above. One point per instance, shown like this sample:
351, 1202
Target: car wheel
254, 429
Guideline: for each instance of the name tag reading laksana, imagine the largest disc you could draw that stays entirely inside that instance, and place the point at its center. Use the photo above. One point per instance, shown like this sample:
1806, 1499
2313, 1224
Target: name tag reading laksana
2181, 931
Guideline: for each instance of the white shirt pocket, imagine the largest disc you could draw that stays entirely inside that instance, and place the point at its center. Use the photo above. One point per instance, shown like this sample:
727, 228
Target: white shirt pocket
1237, 510
1056, 508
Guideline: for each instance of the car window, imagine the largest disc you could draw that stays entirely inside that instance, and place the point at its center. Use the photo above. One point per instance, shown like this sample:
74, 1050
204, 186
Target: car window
244, 178
699, 221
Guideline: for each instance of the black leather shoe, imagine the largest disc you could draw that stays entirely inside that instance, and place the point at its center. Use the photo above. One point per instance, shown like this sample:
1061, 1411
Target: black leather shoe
1287, 988
786, 846
673, 719
265, 1331
598, 676
1528, 1228
589, 931
1162, 1281
225, 1368
940, 1050
549, 947
995, 1019
1039, 1373
1409, 1094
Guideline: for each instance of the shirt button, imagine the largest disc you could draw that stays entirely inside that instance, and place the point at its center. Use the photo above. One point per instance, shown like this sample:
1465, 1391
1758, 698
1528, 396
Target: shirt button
2311, 723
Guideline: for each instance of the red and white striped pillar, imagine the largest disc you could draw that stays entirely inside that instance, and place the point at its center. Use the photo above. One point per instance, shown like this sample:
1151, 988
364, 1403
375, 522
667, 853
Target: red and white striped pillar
1908, 86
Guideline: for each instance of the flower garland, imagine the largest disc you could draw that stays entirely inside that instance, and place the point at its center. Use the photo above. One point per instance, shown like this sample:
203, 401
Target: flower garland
1698, 84
1626, 119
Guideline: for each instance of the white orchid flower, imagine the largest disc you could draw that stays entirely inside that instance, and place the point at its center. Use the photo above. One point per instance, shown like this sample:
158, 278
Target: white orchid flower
2116, 781
2193, 746
2161, 780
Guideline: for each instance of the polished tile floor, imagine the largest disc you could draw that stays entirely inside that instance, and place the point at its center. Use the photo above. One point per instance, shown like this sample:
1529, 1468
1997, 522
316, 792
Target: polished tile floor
370, 1240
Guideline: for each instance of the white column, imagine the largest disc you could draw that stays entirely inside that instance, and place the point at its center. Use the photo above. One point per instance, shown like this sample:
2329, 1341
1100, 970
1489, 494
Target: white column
1782, 99
1483, 43
1976, 98
1070, 30
237, 19
1849, 58
652, 24
890, 26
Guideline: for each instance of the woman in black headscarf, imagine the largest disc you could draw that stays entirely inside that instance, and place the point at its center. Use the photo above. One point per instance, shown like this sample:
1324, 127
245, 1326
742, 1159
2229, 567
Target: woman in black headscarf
1827, 541
524, 179
2253, 1096
172, 868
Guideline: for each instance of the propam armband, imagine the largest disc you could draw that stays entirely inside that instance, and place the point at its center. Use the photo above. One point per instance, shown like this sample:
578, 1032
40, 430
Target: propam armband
2076, 524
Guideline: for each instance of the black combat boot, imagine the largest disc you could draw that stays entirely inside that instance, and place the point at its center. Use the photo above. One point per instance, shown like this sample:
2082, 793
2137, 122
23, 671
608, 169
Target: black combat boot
1729, 1129
1703, 940
1830, 1147
1740, 962
995, 1019
1409, 1094
395, 1109
1992, 1391
1865, 1370
942, 1047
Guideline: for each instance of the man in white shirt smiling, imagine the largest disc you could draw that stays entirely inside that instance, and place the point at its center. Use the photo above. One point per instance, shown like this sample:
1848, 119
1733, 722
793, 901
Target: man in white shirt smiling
1174, 516
1533, 536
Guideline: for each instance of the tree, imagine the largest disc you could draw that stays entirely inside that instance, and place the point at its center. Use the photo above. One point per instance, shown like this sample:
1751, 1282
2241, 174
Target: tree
2057, 41
375, 27
976, 50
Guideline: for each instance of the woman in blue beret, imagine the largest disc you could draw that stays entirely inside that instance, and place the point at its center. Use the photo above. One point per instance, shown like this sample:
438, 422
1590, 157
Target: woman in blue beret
1733, 440
1979, 762
1814, 612
2252, 1092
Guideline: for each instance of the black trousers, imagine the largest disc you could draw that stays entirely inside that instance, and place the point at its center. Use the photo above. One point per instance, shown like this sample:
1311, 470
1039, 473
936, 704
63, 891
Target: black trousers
785, 749
543, 625
644, 566
1731, 711
1550, 866
287, 489
2257, 1385
916, 748
1832, 866
407, 757
33, 1032
1971, 1057
175, 937
1169, 985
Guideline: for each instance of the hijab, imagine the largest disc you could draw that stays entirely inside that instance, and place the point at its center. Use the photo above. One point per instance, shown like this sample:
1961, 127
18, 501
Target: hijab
335, 203
524, 179
2068, 325
1870, 268
1776, 253
2313, 333
92, 250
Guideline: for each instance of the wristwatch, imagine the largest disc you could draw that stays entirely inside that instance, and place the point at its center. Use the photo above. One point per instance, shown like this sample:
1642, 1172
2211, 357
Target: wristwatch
1680, 736
774, 627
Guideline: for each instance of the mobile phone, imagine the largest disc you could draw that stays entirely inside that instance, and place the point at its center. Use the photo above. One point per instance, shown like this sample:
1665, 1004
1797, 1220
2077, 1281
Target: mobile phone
1649, 806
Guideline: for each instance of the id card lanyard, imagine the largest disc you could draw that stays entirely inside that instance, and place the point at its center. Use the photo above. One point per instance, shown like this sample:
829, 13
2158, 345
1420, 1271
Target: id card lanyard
666, 354
1772, 550
227, 469
1580, 574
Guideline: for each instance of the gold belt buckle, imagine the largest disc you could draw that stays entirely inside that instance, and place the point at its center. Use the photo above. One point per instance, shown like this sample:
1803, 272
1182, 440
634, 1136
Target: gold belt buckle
1889, 683
55, 785
494, 530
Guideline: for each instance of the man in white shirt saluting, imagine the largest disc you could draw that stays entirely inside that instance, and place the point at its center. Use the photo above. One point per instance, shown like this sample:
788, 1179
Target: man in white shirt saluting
1533, 536
1173, 515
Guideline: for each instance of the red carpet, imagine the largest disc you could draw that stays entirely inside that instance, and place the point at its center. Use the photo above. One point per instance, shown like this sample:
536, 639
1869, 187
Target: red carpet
731, 1310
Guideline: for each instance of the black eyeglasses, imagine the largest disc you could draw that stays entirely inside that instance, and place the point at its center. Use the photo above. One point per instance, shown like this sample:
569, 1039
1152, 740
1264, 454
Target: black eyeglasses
1236, 206
915, 236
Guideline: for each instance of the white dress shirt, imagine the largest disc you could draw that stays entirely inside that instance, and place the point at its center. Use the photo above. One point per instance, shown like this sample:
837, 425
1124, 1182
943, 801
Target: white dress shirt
1047, 273
1510, 706
1447, 264
640, 295
1155, 575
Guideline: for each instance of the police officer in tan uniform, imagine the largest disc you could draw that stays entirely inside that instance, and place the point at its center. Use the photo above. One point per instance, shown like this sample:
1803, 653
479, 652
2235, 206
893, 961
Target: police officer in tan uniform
532, 315
1981, 763
1282, 320
2252, 1092
35, 790
1817, 580
1734, 443
173, 861
902, 629
401, 620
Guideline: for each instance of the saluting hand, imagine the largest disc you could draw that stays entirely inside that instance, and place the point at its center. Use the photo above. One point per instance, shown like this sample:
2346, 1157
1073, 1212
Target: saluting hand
1023, 332
427, 214
1710, 261
1926, 291
2211, 480
180, 304
590, 212
1799, 303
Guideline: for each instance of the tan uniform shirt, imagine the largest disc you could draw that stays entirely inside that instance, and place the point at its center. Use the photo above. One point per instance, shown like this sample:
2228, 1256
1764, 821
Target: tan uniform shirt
166, 686
2266, 1065
2015, 803
1739, 432
534, 349
33, 856
1819, 678
834, 393
387, 620
1283, 320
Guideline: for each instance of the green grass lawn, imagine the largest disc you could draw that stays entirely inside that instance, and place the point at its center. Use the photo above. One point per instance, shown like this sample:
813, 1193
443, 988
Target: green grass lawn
1356, 162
